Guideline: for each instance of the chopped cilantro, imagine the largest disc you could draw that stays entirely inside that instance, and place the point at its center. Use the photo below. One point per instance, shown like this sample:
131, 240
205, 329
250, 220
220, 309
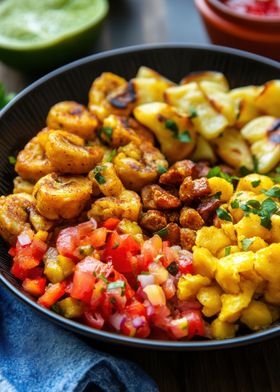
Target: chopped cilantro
12, 160
173, 268
255, 183
162, 233
171, 124
111, 155
117, 284
97, 174
255, 163
244, 171
254, 203
234, 204
217, 172
246, 242
184, 137
103, 278
223, 214
269, 205
161, 169
217, 195
192, 112
227, 250
273, 192
107, 132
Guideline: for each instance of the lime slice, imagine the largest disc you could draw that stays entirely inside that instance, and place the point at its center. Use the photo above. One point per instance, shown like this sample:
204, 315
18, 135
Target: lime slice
39, 34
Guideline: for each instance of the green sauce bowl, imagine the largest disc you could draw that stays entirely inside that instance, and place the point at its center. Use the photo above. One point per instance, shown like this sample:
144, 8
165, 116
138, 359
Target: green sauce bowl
40, 35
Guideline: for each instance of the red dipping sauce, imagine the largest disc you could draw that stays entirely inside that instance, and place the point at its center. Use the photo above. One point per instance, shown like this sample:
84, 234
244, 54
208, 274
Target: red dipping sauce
254, 7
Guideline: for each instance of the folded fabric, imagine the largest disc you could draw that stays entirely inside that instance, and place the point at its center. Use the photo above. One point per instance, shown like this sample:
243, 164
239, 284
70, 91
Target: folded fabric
38, 356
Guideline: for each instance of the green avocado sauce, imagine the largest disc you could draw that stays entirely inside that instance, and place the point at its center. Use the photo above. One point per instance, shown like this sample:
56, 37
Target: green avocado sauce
29, 22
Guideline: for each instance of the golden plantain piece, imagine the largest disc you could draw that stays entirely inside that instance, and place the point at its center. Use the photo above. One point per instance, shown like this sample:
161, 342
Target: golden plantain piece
263, 133
139, 165
174, 131
268, 100
209, 76
144, 134
106, 179
22, 186
68, 154
32, 162
233, 149
18, 213
203, 151
72, 117
100, 89
116, 131
125, 206
61, 196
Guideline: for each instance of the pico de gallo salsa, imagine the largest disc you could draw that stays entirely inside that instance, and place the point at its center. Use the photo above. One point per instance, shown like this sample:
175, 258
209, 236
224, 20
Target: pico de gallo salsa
255, 7
107, 280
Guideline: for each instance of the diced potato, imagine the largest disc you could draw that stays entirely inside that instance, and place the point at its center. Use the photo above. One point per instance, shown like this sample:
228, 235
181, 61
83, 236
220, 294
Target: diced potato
275, 230
160, 118
250, 226
215, 77
203, 151
267, 263
233, 304
254, 183
149, 89
204, 263
209, 297
208, 121
229, 229
233, 149
272, 293
71, 308
212, 238
148, 73
268, 100
230, 268
220, 100
245, 97
243, 197
267, 155
256, 243
257, 129
223, 330
189, 285
256, 316
218, 184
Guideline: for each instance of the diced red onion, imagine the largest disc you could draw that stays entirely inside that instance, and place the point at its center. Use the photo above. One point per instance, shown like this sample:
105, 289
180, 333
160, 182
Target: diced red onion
146, 280
24, 239
116, 320
150, 310
139, 321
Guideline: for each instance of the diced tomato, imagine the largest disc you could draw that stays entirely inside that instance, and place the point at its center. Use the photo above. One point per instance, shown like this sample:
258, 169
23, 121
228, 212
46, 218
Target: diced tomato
169, 288
95, 267
195, 323
151, 248
52, 294
12, 252
120, 249
97, 238
135, 309
170, 255
18, 271
111, 223
128, 328
94, 320
85, 229
38, 248
83, 283
98, 293
35, 273
35, 287
185, 263
67, 241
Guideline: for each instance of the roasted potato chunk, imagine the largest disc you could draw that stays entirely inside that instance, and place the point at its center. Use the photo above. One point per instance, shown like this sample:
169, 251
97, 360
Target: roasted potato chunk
203, 151
61, 196
125, 206
268, 99
174, 132
245, 98
72, 117
68, 153
138, 165
209, 76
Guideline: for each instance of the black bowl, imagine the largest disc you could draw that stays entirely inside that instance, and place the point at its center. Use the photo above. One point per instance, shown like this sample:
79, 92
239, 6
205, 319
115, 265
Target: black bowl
26, 115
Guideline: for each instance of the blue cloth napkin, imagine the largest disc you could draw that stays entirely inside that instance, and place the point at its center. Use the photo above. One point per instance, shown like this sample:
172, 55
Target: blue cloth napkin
38, 356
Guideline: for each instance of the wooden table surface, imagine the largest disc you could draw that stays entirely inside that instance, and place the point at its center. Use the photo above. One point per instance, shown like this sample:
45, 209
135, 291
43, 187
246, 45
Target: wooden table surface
251, 368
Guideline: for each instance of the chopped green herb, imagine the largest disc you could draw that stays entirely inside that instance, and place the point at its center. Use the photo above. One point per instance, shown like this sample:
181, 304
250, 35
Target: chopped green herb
162, 233
97, 174
171, 124
269, 205
103, 278
273, 192
115, 285
217, 172
111, 155
192, 112
246, 243
173, 268
184, 137
255, 183
223, 214
116, 245
256, 164
217, 195
254, 203
244, 171
234, 204
107, 132
227, 250
12, 160
265, 219
161, 169
4, 97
